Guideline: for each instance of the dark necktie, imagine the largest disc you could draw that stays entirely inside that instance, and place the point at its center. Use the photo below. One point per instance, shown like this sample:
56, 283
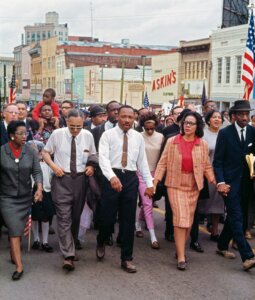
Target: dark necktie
73, 158
242, 137
124, 150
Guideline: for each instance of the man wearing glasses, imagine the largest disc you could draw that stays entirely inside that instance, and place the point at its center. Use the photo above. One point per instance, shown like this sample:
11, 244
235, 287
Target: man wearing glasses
10, 113
175, 128
71, 148
66, 106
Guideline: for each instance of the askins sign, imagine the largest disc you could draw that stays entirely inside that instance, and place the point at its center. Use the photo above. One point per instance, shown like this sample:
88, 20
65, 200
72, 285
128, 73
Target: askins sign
164, 83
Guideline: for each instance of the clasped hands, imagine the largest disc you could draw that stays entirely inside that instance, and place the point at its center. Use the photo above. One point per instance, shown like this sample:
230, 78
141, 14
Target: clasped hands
117, 186
223, 189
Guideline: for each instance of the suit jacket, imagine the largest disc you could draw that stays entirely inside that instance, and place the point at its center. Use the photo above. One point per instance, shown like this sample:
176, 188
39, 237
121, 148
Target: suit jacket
171, 164
3, 135
97, 133
229, 159
15, 178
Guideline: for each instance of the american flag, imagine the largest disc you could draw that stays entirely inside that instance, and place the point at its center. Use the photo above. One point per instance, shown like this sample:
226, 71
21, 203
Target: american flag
28, 226
146, 102
248, 60
12, 96
203, 97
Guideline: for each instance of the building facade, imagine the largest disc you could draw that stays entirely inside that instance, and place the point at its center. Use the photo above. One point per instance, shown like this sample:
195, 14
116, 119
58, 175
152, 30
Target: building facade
8, 62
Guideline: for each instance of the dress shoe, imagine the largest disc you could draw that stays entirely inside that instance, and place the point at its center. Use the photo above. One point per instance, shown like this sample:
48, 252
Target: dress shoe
197, 247
249, 263
139, 234
181, 265
109, 241
226, 254
214, 237
68, 265
36, 245
100, 251
17, 275
169, 237
78, 245
47, 248
155, 245
128, 266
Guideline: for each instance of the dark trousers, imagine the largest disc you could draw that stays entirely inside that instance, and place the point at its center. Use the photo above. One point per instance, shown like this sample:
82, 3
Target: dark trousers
125, 202
169, 222
233, 226
68, 195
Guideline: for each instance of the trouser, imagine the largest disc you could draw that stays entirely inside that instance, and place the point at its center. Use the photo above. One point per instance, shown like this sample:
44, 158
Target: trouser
146, 211
124, 201
233, 226
68, 195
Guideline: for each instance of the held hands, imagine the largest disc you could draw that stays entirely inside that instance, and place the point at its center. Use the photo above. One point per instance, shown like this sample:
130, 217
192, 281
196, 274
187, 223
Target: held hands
223, 189
149, 192
116, 184
89, 171
155, 183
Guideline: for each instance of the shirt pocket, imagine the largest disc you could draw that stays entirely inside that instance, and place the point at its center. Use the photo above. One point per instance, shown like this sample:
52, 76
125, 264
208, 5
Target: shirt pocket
133, 155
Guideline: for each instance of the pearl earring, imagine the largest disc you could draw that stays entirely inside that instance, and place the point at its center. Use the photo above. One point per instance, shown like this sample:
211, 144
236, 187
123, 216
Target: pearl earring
12, 138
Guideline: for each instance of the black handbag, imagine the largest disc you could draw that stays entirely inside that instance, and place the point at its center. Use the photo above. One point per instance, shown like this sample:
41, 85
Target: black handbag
204, 193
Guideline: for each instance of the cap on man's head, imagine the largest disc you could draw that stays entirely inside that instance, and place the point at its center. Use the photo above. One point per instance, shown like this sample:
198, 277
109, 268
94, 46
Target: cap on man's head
97, 110
241, 105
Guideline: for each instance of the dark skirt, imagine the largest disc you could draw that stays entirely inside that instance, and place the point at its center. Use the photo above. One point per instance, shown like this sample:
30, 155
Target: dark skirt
15, 211
43, 210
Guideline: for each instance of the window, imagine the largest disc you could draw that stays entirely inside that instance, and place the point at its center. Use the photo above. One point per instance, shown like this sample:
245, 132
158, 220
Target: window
219, 71
33, 37
49, 63
49, 34
38, 36
44, 35
49, 82
53, 62
53, 82
227, 60
238, 68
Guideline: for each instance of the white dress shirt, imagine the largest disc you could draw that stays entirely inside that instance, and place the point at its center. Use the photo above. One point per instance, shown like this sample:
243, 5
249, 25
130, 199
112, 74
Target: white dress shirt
238, 128
110, 153
59, 144
108, 125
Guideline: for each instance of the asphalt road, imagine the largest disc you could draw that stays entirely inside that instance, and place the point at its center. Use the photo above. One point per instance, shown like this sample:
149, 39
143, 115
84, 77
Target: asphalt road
208, 276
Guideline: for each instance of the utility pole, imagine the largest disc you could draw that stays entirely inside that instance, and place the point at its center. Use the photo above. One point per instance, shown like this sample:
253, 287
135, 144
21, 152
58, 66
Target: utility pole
4, 83
102, 84
122, 79
143, 78
71, 83
91, 19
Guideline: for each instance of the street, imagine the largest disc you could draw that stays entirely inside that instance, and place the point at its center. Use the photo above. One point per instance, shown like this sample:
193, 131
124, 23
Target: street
208, 276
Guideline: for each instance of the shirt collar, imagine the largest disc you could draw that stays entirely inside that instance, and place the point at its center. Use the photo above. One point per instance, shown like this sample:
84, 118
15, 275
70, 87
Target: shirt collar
121, 131
5, 124
69, 133
238, 128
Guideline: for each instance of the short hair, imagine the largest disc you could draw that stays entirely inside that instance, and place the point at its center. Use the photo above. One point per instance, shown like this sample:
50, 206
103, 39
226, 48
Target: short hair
51, 91
208, 101
174, 108
68, 102
126, 106
75, 113
150, 116
7, 105
13, 125
210, 114
21, 102
109, 103
200, 124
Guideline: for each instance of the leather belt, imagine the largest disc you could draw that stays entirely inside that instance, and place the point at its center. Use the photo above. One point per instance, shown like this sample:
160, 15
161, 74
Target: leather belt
77, 174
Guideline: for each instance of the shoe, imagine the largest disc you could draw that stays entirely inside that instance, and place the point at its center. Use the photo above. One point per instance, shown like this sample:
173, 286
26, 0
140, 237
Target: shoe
248, 235
68, 265
51, 230
36, 245
139, 234
76, 257
78, 245
197, 247
17, 275
226, 254
100, 251
109, 241
249, 263
127, 266
234, 245
214, 238
47, 248
186, 258
155, 245
169, 237
181, 265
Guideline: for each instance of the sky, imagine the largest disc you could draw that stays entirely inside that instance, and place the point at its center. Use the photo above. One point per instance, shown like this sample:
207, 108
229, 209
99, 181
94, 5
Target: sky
148, 22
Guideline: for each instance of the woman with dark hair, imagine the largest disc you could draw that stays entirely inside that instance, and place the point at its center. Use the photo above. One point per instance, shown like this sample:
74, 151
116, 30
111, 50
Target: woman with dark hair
214, 205
18, 162
185, 161
153, 141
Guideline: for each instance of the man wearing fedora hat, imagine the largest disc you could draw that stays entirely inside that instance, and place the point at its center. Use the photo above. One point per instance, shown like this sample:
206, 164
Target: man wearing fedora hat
232, 175
97, 117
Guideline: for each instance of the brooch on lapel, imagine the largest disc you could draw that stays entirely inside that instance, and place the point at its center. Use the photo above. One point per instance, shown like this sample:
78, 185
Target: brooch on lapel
16, 160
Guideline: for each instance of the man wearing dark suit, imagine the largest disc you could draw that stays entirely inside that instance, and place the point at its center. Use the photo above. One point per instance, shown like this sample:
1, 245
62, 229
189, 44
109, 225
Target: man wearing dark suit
173, 129
22, 116
97, 115
10, 113
232, 175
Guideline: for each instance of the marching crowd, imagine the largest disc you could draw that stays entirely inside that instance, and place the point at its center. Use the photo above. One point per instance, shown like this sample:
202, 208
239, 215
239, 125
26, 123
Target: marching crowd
97, 166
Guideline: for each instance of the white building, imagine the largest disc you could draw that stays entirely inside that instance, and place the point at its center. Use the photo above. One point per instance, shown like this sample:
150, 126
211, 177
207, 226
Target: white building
228, 46
8, 62
43, 31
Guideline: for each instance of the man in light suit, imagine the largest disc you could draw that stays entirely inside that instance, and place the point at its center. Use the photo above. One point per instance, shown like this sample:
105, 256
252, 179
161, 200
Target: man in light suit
233, 180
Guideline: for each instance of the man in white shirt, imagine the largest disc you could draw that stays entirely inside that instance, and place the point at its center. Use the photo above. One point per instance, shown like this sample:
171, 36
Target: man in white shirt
10, 113
71, 148
121, 154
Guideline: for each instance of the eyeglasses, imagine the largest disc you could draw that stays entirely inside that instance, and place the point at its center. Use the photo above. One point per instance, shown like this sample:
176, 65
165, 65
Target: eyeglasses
72, 127
12, 112
176, 114
19, 133
66, 107
187, 123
